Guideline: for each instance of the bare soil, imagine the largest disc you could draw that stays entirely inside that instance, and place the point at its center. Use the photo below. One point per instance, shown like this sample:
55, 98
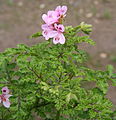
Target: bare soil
21, 18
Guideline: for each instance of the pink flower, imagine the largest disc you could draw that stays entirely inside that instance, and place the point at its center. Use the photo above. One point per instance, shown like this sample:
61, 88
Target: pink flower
48, 31
46, 26
49, 34
61, 10
59, 28
5, 90
55, 32
59, 38
4, 98
51, 17
52, 27
54, 16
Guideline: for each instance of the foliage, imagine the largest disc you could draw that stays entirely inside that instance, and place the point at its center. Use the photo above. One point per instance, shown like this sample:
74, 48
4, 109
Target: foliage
50, 80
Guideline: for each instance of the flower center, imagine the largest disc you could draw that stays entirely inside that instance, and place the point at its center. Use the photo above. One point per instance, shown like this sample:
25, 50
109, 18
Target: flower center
57, 38
3, 98
4, 90
45, 32
60, 28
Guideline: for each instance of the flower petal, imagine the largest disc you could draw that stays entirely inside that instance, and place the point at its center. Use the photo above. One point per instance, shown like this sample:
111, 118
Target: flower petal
55, 41
59, 27
6, 103
44, 17
59, 39
50, 13
61, 10
7, 96
0, 99
64, 9
62, 39
52, 33
52, 17
45, 34
44, 26
58, 8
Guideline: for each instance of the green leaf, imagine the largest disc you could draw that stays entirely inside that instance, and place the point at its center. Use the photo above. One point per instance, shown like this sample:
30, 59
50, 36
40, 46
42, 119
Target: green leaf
86, 28
71, 96
110, 69
38, 34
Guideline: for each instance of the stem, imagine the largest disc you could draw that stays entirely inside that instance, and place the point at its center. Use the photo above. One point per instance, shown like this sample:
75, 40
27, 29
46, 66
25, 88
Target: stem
58, 115
4, 83
19, 102
35, 73
36, 105
2, 115
8, 76
60, 77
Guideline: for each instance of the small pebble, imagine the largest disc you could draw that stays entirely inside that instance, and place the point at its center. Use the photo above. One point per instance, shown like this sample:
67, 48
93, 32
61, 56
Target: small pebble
103, 55
81, 11
20, 4
96, 2
89, 15
42, 6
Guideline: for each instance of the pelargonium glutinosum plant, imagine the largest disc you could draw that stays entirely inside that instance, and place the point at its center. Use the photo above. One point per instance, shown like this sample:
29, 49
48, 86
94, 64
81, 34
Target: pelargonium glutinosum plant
53, 27
51, 79
4, 97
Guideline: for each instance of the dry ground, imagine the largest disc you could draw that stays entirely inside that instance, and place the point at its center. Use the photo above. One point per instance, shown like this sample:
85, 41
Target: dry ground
20, 18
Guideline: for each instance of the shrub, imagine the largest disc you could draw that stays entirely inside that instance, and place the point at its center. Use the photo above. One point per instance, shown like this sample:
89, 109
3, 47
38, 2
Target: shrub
50, 80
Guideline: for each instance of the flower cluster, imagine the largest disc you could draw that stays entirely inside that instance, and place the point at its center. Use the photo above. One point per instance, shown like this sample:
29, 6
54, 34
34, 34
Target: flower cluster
53, 27
4, 98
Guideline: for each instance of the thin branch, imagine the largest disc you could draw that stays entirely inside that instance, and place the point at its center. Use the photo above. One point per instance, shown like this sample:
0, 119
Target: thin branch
58, 115
19, 103
9, 78
4, 83
35, 73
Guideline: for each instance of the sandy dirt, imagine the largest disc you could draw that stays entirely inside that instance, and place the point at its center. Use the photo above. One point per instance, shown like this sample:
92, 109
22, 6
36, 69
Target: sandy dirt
21, 18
